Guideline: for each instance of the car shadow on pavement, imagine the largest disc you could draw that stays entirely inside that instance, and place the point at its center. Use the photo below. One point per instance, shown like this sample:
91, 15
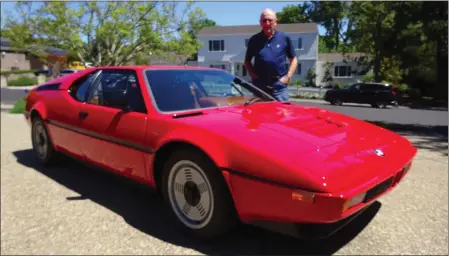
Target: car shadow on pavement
143, 209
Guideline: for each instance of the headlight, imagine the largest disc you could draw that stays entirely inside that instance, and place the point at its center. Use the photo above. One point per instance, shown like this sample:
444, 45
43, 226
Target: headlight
353, 201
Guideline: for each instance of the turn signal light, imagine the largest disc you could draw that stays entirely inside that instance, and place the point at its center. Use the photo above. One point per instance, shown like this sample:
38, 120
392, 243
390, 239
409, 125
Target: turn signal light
353, 201
305, 197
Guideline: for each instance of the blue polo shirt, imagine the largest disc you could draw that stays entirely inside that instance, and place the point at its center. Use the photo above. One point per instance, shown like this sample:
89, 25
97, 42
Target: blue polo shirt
270, 55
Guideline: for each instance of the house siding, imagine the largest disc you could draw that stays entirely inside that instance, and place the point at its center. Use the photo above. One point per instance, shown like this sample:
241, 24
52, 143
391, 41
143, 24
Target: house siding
353, 78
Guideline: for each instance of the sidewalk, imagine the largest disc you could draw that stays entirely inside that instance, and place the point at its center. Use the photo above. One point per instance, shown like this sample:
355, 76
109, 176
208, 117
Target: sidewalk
6, 107
20, 87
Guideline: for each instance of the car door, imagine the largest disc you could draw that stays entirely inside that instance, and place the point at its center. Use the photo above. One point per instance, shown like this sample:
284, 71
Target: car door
62, 113
117, 133
353, 94
367, 93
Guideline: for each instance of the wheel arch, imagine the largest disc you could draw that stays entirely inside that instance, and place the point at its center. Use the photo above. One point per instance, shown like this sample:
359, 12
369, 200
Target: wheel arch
39, 110
210, 151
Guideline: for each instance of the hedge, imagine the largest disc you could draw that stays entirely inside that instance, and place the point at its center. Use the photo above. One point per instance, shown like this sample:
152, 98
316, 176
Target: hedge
23, 81
17, 71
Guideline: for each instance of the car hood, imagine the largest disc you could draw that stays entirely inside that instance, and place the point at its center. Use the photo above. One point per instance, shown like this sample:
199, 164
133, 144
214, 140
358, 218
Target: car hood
306, 141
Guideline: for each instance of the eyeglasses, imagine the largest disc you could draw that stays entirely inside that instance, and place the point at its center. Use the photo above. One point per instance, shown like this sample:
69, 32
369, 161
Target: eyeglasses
269, 20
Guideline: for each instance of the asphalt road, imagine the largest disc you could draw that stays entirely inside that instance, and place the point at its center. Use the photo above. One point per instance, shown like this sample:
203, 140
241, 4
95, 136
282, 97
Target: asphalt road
11, 96
73, 209
400, 119
402, 115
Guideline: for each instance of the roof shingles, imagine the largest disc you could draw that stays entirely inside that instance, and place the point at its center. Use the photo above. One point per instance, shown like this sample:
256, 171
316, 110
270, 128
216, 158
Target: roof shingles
253, 29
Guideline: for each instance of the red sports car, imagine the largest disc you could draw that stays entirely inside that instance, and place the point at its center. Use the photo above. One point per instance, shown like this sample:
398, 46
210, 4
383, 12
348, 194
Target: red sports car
218, 149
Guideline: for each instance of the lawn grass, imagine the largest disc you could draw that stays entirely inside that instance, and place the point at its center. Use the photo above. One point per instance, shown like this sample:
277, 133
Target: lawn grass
19, 107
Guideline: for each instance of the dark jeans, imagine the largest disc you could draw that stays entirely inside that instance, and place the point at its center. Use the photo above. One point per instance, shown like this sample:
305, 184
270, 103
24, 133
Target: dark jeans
273, 87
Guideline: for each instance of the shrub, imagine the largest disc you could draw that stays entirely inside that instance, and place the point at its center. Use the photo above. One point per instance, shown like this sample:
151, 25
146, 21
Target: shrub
23, 81
16, 72
403, 88
369, 77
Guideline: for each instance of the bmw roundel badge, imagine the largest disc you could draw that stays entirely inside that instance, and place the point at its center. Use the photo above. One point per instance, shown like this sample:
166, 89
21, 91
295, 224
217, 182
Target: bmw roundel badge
379, 152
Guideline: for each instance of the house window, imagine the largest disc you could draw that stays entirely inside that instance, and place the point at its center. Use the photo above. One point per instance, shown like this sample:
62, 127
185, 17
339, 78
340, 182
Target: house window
218, 66
342, 71
246, 42
298, 69
216, 45
299, 43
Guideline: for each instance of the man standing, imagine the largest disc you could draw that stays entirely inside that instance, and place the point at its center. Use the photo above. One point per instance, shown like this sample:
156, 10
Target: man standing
270, 49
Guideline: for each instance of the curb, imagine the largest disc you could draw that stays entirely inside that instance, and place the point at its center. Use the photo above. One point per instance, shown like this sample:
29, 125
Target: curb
6, 107
23, 88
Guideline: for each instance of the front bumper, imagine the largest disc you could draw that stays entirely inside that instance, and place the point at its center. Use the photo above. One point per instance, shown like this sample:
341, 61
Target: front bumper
314, 214
309, 231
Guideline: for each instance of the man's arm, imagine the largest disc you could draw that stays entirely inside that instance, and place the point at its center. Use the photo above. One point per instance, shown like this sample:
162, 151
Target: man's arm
293, 61
248, 57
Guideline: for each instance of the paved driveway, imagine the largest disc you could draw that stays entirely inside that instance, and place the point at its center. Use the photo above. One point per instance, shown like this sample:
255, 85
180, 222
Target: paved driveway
77, 210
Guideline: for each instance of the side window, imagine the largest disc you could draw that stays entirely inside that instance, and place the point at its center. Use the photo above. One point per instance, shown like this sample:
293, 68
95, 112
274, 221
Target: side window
354, 87
80, 87
117, 89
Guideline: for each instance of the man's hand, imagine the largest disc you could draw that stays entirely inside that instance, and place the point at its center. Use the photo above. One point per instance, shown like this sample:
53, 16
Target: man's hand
285, 79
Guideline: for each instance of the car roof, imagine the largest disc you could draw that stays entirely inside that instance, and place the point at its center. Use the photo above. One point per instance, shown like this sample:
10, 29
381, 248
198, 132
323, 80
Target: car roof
158, 67
76, 75
376, 84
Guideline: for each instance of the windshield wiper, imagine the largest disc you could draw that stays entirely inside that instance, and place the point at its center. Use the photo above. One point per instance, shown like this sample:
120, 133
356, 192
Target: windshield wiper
252, 100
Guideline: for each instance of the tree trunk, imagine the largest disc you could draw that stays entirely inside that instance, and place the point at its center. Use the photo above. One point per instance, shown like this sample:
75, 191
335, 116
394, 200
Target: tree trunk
336, 33
377, 49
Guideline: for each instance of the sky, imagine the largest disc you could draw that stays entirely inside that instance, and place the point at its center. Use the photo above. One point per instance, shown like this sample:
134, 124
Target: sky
223, 13
240, 13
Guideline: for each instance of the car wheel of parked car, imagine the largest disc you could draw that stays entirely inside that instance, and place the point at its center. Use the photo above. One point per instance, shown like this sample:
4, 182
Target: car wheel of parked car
42, 146
379, 105
336, 102
197, 195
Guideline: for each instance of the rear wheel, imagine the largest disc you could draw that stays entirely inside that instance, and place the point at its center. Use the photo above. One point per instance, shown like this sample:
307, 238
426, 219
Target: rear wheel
336, 102
197, 195
42, 146
379, 104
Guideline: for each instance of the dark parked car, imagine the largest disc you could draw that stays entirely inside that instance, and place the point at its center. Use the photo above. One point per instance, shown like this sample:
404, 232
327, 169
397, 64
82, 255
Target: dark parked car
46, 72
378, 95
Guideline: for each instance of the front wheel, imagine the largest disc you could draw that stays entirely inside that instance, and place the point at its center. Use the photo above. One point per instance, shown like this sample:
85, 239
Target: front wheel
42, 146
197, 195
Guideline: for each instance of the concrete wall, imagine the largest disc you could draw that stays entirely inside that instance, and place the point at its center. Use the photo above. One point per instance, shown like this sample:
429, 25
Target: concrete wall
23, 61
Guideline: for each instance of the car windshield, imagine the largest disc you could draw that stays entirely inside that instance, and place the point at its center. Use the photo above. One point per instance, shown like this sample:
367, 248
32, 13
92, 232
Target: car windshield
189, 89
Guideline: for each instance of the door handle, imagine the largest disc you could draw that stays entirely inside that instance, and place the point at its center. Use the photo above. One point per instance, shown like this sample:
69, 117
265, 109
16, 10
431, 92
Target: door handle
82, 115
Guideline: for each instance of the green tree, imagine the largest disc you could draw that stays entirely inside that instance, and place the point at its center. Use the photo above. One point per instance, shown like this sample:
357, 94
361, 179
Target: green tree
327, 78
374, 24
332, 16
294, 14
113, 33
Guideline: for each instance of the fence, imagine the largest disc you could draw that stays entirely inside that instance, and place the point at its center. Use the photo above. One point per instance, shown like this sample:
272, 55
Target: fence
309, 92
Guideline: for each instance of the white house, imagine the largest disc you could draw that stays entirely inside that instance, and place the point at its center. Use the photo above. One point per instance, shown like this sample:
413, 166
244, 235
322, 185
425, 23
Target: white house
225, 46
344, 68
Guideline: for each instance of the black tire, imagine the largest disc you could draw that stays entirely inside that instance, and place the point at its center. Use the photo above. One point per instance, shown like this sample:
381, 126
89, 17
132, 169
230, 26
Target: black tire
219, 214
42, 146
379, 105
336, 102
